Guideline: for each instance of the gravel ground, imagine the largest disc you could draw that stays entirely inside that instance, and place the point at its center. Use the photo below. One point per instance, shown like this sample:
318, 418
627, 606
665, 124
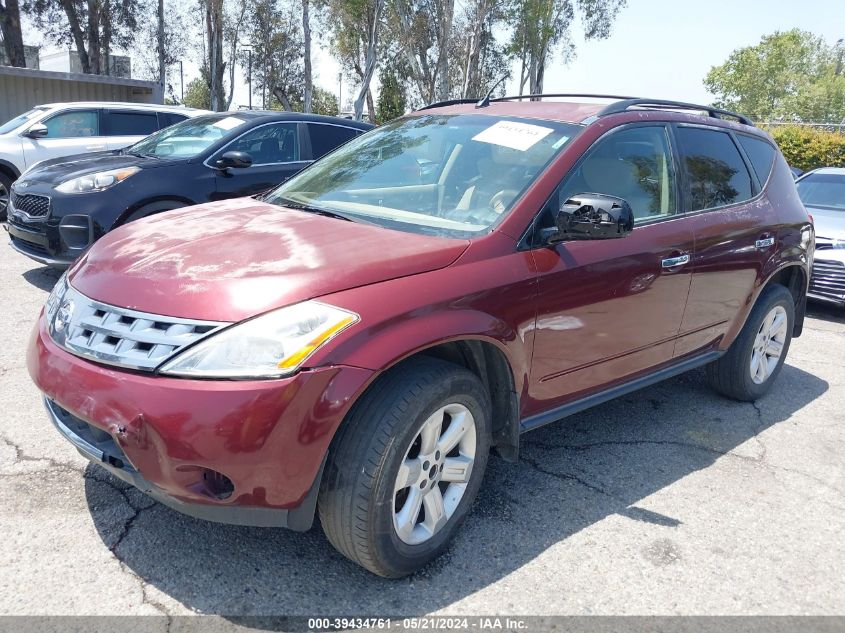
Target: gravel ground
668, 501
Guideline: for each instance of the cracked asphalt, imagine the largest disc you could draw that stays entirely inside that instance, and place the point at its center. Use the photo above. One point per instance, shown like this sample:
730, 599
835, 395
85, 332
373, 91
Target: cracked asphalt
671, 500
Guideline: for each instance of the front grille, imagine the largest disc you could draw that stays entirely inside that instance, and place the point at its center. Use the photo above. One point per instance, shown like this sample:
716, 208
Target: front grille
119, 336
93, 436
828, 279
33, 205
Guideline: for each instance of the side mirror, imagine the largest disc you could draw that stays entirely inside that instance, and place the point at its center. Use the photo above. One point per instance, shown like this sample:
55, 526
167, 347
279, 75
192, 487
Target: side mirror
238, 160
37, 130
591, 216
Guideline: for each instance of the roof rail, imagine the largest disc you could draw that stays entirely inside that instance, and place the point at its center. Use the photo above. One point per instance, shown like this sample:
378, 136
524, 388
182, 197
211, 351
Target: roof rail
561, 94
620, 104
716, 113
448, 102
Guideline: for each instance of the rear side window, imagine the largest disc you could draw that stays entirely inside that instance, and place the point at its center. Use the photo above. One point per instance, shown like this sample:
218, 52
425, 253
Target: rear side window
132, 123
760, 153
166, 119
73, 124
324, 138
716, 175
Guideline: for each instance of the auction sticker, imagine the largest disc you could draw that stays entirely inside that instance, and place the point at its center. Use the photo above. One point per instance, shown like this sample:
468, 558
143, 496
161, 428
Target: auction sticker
513, 134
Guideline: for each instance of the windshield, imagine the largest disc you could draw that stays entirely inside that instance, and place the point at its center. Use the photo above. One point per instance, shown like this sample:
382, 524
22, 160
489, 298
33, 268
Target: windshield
451, 175
823, 190
21, 119
188, 138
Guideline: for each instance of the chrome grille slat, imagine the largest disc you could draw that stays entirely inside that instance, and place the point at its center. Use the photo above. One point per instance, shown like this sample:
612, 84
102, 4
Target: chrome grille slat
121, 336
828, 279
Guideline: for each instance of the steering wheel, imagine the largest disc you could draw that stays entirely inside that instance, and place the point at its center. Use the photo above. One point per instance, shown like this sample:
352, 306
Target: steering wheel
500, 199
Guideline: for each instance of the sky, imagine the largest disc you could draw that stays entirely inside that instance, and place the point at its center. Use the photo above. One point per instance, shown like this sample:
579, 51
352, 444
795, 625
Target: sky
657, 48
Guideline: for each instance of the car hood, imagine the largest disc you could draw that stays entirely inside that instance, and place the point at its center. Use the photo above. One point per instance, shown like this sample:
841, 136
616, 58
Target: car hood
229, 260
828, 223
58, 170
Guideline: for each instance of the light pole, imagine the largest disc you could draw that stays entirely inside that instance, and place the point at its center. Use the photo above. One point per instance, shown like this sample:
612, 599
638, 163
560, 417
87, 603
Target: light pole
339, 94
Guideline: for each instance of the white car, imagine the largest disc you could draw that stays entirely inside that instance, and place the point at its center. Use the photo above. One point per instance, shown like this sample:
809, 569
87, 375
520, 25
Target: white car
63, 129
823, 193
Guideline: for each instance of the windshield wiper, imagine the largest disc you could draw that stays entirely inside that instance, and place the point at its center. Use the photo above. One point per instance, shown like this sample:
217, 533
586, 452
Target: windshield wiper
299, 206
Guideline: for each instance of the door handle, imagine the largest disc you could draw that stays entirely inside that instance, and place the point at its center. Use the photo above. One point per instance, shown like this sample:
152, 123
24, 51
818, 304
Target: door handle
671, 262
764, 242
94, 148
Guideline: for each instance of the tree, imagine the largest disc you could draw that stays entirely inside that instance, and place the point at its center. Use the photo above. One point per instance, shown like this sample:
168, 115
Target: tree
539, 27
356, 27
197, 94
392, 99
277, 50
306, 37
213, 62
424, 34
94, 27
482, 59
145, 52
790, 75
10, 29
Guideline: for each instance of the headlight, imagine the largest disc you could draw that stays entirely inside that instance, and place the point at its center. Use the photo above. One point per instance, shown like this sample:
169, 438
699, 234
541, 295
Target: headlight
55, 298
273, 345
97, 182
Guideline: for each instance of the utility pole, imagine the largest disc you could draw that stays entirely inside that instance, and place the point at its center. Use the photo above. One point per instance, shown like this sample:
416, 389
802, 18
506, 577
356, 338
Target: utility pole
161, 68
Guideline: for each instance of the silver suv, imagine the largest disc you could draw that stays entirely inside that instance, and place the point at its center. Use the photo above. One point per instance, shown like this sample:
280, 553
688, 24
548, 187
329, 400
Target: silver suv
62, 129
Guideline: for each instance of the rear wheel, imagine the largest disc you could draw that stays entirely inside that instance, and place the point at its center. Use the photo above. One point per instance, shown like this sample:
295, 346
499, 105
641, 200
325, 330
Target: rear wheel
5, 188
406, 465
748, 369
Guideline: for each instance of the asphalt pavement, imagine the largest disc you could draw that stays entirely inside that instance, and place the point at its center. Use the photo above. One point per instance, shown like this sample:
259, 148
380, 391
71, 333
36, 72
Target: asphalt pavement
671, 500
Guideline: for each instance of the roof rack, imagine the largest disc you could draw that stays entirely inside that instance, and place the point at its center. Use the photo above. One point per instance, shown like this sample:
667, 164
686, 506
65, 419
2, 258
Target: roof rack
620, 104
560, 94
662, 104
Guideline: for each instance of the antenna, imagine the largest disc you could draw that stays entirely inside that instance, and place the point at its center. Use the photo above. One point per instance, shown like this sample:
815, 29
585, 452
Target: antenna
483, 103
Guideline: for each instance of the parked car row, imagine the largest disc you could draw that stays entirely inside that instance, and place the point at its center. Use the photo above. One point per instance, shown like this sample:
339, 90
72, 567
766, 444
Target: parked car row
62, 129
354, 342
62, 206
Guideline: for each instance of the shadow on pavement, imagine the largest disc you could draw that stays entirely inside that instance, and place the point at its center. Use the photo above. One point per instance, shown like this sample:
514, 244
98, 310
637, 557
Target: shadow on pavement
43, 278
571, 475
825, 311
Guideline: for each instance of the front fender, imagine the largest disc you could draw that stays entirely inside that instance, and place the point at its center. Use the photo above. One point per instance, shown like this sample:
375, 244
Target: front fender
381, 347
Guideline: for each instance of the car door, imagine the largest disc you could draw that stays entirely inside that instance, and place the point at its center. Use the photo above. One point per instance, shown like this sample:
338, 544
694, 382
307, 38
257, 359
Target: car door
732, 231
275, 152
608, 309
124, 126
76, 131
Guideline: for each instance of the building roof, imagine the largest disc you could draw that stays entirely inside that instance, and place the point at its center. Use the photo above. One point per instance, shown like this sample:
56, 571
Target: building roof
77, 77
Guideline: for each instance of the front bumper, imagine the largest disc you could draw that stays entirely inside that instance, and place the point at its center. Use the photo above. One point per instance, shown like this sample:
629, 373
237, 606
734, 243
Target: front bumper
164, 435
71, 225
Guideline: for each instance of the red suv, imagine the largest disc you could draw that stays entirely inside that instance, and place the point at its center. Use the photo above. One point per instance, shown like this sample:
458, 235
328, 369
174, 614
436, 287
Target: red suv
357, 341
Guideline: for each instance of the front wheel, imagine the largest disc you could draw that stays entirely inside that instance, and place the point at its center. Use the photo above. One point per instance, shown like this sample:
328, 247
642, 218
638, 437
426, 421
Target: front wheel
406, 466
750, 366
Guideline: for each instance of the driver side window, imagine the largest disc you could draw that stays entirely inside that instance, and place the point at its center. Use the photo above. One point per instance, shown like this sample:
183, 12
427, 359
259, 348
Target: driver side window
634, 164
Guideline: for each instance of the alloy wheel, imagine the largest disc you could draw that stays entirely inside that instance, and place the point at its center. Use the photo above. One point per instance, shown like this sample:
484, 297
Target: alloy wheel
434, 474
4, 199
768, 345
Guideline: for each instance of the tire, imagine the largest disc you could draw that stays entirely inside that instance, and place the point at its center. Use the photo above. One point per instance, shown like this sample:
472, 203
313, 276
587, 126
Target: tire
5, 192
359, 506
733, 374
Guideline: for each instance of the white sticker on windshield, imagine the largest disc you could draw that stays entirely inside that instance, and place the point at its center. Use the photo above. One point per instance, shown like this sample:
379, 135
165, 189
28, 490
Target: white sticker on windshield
513, 134
228, 123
